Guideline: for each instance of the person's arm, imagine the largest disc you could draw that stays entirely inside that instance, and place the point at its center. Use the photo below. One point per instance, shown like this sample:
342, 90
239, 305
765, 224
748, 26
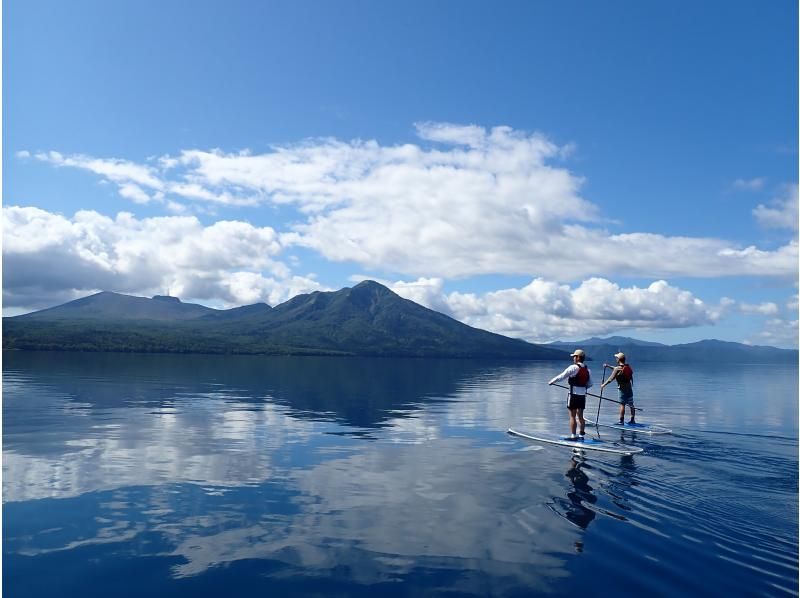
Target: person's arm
570, 371
613, 375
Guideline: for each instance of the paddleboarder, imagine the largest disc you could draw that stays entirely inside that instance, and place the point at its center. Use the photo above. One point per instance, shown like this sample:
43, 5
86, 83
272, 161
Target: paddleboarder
623, 374
580, 379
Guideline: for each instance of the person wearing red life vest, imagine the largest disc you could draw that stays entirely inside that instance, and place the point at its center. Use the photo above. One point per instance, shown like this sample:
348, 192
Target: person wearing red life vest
623, 374
580, 380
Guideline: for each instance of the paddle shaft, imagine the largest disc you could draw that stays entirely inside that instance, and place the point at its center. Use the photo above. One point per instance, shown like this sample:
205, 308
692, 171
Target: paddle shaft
588, 394
600, 402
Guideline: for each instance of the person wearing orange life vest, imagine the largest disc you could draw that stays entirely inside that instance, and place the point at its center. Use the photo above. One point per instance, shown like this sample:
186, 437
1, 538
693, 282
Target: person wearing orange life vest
623, 374
580, 380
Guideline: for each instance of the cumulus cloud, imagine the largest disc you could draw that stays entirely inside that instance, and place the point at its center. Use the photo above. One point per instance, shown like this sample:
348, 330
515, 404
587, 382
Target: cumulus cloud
425, 291
48, 258
781, 212
465, 201
545, 310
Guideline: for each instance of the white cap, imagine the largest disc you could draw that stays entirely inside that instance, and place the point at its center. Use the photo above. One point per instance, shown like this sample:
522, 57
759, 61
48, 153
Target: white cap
619, 355
579, 353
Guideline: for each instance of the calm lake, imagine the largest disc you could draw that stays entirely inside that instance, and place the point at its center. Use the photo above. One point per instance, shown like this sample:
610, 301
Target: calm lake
156, 475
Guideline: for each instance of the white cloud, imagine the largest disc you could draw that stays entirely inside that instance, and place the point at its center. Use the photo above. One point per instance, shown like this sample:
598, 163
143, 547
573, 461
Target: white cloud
175, 207
116, 170
454, 134
128, 176
49, 258
133, 192
425, 291
778, 332
781, 212
766, 309
469, 201
755, 184
545, 310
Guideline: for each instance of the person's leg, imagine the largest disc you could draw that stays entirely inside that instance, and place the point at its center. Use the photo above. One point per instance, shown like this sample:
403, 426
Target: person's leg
633, 413
582, 421
622, 413
572, 423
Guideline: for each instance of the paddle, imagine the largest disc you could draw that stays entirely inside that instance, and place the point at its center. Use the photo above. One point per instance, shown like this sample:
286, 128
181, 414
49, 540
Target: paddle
600, 402
588, 394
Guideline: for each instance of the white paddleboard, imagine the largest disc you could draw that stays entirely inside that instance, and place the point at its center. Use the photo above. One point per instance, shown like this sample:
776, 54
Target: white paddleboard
588, 444
637, 427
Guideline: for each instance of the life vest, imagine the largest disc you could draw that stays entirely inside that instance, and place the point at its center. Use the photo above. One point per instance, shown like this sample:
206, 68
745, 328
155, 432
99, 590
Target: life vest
581, 378
625, 376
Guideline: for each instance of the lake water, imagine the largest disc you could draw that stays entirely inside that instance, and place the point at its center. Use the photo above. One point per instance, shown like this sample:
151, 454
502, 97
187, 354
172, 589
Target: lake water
154, 475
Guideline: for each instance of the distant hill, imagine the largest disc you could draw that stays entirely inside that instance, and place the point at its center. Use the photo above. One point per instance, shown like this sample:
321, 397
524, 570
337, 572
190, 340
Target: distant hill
115, 306
603, 350
368, 319
611, 340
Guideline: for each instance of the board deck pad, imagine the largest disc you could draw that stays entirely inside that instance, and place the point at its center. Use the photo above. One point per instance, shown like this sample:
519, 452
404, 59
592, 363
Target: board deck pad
636, 427
588, 443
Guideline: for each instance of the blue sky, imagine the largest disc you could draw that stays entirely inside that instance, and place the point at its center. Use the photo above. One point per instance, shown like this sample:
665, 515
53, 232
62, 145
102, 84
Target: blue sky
544, 170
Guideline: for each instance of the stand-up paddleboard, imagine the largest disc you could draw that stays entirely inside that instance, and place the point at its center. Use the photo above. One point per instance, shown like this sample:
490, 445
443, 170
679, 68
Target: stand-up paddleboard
588, 444
636, 427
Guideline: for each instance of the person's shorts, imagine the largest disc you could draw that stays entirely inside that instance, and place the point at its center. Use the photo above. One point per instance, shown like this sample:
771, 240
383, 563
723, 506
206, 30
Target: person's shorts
626, 398
576, 401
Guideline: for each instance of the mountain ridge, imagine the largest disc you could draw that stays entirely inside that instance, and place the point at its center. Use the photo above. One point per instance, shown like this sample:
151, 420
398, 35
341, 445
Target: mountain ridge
703, 350
107, 304
367, 319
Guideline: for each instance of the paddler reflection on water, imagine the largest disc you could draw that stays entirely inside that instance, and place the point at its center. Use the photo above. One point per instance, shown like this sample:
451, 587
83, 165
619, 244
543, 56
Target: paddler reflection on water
623, 374
574, 507
580, 380
582, 492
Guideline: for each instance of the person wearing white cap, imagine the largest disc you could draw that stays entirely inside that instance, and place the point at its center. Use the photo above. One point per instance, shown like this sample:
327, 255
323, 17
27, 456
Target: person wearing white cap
623, 374
580, 379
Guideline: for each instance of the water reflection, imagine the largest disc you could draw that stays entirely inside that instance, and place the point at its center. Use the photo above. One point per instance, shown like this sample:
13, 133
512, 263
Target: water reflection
379, 515
78, 423
574, 508
356, 392
354, 475
596, 487
221, 462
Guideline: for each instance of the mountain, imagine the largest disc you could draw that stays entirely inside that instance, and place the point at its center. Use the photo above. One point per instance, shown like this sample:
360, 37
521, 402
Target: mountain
603, 350
237, 313
114, 306
371, 319
368, 319
611, 340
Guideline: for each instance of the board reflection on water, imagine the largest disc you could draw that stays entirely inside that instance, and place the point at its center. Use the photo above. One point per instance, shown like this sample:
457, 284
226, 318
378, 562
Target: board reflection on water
204, 473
